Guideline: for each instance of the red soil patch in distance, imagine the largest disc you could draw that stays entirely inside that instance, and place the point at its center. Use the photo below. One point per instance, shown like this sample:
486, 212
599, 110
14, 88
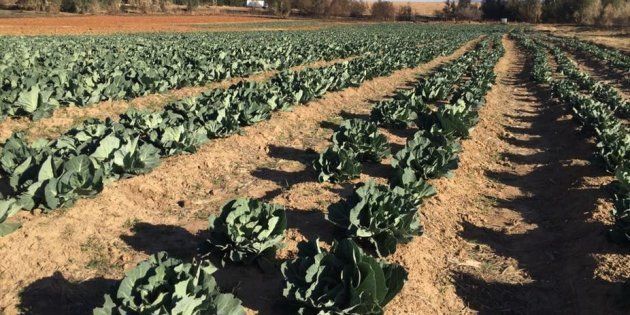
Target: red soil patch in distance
107, 24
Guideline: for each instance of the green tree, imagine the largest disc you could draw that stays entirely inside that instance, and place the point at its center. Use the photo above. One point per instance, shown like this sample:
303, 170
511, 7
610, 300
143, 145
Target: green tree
495, 9
526, 10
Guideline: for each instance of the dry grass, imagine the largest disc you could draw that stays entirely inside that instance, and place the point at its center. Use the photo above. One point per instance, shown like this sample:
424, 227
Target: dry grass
421, 8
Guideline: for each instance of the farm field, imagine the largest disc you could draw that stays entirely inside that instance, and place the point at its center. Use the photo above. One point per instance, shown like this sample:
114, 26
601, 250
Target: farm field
274, 167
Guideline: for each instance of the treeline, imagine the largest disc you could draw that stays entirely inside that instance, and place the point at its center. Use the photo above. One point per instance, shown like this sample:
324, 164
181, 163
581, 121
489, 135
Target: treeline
319, 8
590, 12
112, 6
93, 6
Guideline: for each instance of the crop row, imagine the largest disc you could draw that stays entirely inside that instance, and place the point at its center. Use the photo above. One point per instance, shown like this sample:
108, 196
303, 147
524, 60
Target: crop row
401, 109
599, 90
596, 117
431, 153
610, 56
344, 279
40, 74
53, 174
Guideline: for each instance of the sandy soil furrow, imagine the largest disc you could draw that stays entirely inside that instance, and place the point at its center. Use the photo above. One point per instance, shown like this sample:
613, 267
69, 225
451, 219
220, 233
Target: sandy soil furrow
67, 259
532, 238
67, 117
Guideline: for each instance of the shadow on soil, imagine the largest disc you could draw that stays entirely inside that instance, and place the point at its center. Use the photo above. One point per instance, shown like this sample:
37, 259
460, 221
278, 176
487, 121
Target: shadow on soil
405, 133
348, 115
601, 70
154, 238
287, 179
311, 223
558, 253
329, 125
58, 295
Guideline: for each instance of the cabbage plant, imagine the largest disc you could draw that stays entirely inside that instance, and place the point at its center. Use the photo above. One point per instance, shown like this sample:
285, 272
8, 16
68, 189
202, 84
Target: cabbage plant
165, 286
337, 164
344, 280
8, 208
78, 178
414, 187
429, 154
133, 159
14, 152
620, 232
457, 119
378, 214
363, 138
246, 230
399, 112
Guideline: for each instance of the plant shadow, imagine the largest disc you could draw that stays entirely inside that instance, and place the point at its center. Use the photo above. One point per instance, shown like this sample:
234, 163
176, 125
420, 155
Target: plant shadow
312, 224
58, 295
154, 238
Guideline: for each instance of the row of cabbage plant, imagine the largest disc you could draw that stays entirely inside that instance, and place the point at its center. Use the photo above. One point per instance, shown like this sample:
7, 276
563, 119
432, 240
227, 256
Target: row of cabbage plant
343, 279
384, 216
599, 90
606, 55
594, 117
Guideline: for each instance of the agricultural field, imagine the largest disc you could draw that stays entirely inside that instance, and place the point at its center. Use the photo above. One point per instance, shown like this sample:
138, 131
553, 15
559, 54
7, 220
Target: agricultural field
305, 167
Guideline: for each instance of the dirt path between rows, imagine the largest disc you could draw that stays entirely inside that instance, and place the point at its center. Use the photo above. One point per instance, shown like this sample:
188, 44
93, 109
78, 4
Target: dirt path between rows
69, 259
533, 241
67, 117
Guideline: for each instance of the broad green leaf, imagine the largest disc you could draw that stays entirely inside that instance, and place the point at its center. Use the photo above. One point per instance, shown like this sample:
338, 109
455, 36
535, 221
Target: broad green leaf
29, 100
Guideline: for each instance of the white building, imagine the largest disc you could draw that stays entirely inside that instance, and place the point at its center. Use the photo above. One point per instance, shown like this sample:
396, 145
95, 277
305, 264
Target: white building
256, 3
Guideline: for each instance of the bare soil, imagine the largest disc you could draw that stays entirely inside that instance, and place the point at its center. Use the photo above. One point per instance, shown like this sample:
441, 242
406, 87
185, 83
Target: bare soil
419, 7
535, 240
107, 24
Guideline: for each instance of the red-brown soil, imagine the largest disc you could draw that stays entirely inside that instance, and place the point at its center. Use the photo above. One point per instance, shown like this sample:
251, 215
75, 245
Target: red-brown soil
105, 24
